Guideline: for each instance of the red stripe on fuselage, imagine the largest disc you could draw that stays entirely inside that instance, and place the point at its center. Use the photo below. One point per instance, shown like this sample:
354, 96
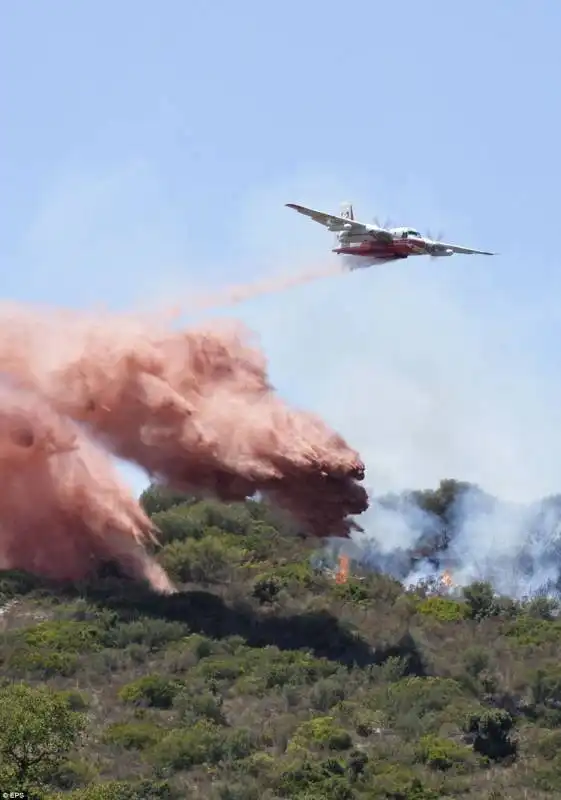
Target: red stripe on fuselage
400, 248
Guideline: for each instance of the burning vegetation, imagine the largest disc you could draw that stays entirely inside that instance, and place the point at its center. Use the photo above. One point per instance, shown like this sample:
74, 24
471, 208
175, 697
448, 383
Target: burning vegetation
266, 677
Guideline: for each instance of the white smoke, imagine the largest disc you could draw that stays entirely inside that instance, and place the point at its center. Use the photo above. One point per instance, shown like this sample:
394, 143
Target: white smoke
430, 369
513, 546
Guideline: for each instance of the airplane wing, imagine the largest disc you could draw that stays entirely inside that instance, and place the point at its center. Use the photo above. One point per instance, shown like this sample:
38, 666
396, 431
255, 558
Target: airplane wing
440, 246
335, 223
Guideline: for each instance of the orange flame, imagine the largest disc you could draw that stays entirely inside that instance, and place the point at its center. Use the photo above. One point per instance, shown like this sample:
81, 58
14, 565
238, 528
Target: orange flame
343, 572
446, 578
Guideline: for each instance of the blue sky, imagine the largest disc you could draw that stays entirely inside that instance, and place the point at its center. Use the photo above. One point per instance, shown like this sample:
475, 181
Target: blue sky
148, 150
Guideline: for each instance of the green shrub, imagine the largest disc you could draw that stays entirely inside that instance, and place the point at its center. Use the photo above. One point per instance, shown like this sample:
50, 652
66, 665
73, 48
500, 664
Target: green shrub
327, 692
547, 779
442, 754
208, 560
194, 645
122, 790
203, 743
382, 588
303, 778
178, 524
352, 591
14, 584
259, 764
178, 521
266, 668
42, 662
224, 667
419, 696
266, 588
154, 634
321, 732
192, 704
443, 609
72, 774
132, 735
64, 636
528, 631
151, 690
156, 499
544, 608
364, 720
240, 789
548, 746
400, 783
392, 670
81, 610
293, 668
259, 541
476, 660
233, 518
491, 734
294, 574
546, 687
77, 701
480, 601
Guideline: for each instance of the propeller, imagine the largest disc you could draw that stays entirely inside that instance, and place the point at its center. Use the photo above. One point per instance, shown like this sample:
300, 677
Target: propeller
385, 225
438, 238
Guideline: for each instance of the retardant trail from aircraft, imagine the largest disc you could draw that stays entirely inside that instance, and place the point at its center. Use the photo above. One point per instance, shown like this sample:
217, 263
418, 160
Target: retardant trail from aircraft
193, 407
232, 295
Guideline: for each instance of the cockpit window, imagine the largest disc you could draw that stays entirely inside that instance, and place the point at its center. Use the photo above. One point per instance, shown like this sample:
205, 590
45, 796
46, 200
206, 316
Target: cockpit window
414, 233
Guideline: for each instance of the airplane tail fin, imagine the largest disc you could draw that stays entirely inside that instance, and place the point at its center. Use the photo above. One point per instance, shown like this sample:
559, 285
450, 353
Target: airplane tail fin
347, 211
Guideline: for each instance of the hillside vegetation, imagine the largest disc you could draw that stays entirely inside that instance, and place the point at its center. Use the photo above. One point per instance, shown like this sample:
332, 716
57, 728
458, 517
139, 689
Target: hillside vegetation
264, 678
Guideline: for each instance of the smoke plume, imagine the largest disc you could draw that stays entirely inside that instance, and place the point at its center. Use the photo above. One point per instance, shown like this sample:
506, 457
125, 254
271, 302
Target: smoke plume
194, 408
516, 547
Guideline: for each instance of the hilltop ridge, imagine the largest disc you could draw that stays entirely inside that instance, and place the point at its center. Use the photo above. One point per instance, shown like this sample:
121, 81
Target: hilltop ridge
265, 678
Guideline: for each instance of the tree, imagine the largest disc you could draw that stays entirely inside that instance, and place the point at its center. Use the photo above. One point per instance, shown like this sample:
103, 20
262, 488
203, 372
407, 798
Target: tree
156, 498
546, 687
37, 730
480, 600
442, 501
491, 731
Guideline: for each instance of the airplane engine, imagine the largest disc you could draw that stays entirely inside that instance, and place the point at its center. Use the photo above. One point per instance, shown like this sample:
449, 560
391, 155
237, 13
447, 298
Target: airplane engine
447, 252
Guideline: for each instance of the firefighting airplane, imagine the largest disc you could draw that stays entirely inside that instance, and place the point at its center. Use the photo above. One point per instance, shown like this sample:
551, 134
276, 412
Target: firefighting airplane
377, 244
